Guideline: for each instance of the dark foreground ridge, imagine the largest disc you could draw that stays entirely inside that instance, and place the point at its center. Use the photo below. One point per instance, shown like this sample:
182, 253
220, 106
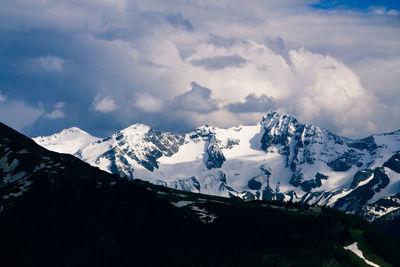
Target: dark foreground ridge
56, 210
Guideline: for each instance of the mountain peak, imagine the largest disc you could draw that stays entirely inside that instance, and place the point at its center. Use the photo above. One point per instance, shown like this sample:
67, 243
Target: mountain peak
135, 129
67, 141
204, 130
73, 130
278, 124
273, 115
65, 132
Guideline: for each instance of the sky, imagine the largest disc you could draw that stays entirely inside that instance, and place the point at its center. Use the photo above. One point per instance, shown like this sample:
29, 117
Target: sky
102, 65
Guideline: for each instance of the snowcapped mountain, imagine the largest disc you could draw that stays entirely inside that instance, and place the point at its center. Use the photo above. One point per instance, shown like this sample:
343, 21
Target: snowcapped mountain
54, 205
276, 159
67, 141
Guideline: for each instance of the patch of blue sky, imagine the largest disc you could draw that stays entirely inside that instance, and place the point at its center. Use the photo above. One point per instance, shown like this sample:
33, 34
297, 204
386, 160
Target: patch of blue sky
363, 5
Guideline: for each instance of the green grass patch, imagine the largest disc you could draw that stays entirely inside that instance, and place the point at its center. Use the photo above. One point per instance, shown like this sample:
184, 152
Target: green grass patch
357, 236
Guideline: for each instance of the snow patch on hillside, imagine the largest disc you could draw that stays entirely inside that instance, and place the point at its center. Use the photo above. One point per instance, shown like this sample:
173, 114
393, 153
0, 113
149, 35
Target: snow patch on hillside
354, 248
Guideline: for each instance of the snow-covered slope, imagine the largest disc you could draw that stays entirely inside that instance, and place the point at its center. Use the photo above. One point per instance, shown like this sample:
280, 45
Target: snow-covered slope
67, 141
24, 164
278, 158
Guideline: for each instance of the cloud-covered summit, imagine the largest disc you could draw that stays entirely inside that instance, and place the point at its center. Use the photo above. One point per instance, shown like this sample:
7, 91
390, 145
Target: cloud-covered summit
177, 64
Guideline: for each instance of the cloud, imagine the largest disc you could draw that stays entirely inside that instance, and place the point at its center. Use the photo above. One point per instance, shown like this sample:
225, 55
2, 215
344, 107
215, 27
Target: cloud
57, 113
18, 114
3, 98
331, 95
139, 58
198, 99
220, 41
220, 62
393, 12
104, 104
178, 20
275, 44
252, 103
148, 103
316, 88
45, 64
384, 11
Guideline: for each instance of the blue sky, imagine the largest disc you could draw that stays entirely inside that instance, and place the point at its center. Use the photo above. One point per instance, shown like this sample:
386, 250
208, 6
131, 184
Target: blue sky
174, 65
361, 5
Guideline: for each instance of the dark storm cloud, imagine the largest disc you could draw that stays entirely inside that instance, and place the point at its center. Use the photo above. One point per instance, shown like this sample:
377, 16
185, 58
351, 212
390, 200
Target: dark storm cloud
198, 99
252, 103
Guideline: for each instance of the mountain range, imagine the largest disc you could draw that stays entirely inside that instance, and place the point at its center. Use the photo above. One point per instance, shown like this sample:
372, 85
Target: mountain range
56, 210
279, 158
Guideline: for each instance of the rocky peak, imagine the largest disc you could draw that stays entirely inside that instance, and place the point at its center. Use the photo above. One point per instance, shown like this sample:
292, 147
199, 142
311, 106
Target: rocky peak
287, 125
279, 123
279, 129
203, 131
215, 157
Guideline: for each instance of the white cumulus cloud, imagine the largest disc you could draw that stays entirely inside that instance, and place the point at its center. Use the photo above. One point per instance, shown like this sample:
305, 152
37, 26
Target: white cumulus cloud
57, 113
104, 104
148, 103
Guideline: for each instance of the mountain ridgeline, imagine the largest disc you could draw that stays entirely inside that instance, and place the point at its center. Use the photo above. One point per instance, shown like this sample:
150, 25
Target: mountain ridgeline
276, 159
56, 210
